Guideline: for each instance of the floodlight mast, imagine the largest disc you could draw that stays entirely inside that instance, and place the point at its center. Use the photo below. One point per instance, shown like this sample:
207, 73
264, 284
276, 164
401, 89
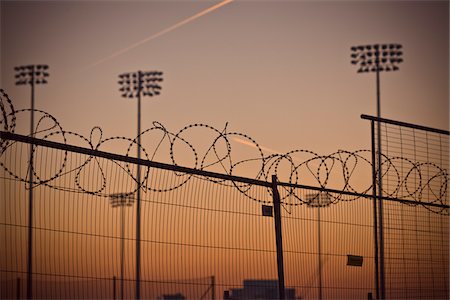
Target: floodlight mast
135, 85
319, 200
32, 75
121, 200
377, 58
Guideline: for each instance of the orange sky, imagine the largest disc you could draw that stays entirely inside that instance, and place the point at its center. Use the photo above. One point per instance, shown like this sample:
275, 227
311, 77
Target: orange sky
278, 71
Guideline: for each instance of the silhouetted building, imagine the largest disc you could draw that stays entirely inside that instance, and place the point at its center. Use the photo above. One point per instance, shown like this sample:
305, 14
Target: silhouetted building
178, 296
258, 289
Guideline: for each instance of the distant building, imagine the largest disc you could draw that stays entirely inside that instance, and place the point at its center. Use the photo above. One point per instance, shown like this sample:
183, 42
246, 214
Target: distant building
258, 289
178, 296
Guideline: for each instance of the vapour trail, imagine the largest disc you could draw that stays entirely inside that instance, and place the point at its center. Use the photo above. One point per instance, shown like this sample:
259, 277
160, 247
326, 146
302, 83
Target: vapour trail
269, 150
246, 143
162, 32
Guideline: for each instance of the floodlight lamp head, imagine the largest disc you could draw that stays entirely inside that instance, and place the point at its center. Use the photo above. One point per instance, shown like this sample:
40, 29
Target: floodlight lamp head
377, 57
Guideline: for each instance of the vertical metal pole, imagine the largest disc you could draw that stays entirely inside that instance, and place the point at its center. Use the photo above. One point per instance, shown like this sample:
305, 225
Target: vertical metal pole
122, 247
30, 200
213, 287
380, 188
375, 216
138, 206
320, 251
278, 237
18, 288
114, 287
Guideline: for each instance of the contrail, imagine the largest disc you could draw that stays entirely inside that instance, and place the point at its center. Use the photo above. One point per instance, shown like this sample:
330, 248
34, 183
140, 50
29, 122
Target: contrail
162, 32
247, 143
244, 142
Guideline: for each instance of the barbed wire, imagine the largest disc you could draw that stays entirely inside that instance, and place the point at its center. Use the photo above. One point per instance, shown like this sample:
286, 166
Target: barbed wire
411, 182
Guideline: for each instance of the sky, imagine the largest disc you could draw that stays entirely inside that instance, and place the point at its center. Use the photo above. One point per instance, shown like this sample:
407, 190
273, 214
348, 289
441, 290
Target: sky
278, 71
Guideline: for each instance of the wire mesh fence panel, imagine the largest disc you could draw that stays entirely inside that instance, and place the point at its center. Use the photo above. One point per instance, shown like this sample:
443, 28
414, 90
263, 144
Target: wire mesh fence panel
415, 164
205, 237
319, 237
199, 236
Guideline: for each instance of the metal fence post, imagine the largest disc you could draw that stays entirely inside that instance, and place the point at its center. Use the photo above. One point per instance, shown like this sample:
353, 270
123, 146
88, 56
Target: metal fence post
114, 287
375, 215
278, 237
18, 288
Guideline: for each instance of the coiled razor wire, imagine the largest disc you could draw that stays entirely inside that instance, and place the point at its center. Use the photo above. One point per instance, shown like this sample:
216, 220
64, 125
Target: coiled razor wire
412, 184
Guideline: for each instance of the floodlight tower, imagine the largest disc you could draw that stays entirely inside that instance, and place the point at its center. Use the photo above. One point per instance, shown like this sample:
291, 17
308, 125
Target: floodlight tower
135, 85
121, 200
378, 58
319, 200
32, 75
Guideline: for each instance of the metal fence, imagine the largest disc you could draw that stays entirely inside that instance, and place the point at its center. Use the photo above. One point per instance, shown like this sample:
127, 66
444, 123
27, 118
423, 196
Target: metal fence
414, 165
211, 235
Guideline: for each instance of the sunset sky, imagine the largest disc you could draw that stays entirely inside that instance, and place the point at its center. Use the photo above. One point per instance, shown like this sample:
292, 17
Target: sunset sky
279, 71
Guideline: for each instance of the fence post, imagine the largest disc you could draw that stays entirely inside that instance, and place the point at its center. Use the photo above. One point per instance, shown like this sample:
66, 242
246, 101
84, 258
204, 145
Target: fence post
18, 288
375, 215
278, 237
114, 288
213, 287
